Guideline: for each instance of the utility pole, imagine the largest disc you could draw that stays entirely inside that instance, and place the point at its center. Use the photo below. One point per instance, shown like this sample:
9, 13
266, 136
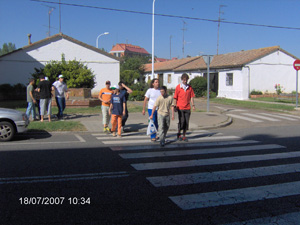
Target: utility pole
183, 42
59, 17
220, 12
170, 47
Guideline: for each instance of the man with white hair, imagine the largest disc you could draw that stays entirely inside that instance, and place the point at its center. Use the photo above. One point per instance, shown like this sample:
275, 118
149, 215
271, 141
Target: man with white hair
61, 94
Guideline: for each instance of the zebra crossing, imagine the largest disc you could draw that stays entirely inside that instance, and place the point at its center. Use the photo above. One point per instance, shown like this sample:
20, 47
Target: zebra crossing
234, 161
263, 117
142, 138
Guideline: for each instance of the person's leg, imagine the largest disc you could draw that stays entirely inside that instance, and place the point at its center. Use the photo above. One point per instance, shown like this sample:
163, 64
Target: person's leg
167, 125
160, 120
186, 116
119, 117
42, 108
28, 110
125, 117
105, 118
49, 106
33, 113
179, 125
113, 124
59, 106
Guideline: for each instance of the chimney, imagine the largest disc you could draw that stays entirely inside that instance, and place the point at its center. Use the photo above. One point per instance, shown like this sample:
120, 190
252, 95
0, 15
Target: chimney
29, 39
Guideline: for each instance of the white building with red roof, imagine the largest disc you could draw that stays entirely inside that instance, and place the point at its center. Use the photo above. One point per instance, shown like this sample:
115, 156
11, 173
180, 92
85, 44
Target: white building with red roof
120, 50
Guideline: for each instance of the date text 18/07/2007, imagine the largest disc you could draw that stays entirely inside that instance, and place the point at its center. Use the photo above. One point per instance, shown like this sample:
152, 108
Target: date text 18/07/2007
54, 200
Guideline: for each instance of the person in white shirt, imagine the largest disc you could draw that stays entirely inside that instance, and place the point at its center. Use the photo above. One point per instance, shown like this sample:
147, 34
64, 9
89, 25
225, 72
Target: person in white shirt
61, 93
151, 95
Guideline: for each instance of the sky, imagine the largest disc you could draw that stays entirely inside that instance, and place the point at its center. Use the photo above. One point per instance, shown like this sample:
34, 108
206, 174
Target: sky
21, 17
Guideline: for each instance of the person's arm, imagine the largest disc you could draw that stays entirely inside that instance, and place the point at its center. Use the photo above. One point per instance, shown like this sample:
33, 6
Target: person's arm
172, 112
144, 105
110, 108
127, 88
193, 103
31, 96
124, 106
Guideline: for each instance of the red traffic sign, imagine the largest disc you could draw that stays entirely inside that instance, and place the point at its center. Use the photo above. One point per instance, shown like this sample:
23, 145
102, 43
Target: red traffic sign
297, 64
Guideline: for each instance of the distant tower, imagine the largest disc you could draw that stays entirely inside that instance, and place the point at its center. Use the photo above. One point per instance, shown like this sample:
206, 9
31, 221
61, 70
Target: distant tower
220, 12
183, 42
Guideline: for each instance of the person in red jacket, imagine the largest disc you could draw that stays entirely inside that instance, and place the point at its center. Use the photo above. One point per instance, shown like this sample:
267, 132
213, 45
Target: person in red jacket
184, 95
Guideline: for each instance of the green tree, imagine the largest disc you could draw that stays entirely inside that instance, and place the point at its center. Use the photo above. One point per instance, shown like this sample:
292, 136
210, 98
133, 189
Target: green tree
76, 74
6, 48
132, 70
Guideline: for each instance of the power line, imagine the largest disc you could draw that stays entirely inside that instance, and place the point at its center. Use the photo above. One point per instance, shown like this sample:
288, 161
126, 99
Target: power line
172, 16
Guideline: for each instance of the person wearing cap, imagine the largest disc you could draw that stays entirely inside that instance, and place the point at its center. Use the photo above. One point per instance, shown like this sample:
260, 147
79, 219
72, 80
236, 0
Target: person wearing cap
105, 97
61, 94
117, 110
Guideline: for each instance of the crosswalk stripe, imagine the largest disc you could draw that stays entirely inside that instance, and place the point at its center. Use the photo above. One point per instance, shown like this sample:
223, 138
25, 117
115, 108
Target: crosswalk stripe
110, 137
197, 178
212, 199
147, 140
180, 144
289, 115
288, 218
198, 151
244, 118
213, 161
260, 117
279, 116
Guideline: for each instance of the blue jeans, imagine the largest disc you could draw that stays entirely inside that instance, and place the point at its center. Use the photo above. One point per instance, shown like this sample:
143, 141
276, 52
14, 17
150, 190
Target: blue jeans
31, 109
154, 120
61, 104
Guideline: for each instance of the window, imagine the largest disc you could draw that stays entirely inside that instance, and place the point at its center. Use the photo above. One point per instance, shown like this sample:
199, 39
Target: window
169, 78
229, 79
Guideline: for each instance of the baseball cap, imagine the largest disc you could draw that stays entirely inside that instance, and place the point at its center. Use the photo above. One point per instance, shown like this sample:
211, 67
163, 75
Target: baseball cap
115, 87
61, 76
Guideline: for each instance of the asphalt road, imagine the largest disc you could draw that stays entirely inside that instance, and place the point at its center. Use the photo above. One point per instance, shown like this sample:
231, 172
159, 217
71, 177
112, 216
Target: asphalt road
246, 173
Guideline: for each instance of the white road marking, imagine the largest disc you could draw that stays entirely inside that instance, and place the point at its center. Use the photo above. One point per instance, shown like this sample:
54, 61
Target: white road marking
181, 144
279, 116
56, 178
244, 118
213, 161
197, 178
228, 197
119, 141
199, 151
260, 117
79, 138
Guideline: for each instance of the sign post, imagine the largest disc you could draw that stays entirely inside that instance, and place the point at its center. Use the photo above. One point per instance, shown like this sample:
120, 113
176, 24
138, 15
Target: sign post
297, 67
207, 59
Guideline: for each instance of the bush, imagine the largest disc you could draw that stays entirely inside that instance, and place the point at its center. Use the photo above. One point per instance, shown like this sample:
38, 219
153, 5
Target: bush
211, 94
199, 84
137, 96
254, 92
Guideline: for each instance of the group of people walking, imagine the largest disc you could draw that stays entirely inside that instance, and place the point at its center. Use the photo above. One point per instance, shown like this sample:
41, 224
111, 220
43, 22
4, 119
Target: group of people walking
42, 97
160, 106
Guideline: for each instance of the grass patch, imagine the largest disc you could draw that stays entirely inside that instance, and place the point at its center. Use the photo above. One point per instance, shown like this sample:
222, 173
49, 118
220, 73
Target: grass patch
254, 105
270, 99
56, 126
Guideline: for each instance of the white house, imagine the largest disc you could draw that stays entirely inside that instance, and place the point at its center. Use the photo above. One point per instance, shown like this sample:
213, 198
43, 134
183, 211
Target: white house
17, 66
235, 75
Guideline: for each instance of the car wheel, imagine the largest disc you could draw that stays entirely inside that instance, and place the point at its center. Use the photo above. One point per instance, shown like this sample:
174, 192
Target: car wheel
7, 131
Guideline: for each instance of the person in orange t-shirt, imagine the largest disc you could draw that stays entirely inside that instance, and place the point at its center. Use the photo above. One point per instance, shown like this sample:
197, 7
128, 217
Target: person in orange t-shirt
105, 97
184, 94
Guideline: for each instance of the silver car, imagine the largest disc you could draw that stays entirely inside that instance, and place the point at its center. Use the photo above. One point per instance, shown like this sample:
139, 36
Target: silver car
12, 122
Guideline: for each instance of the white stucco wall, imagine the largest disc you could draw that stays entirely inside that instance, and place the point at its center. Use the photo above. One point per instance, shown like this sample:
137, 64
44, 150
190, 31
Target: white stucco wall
239, 89
276, 68
18, 66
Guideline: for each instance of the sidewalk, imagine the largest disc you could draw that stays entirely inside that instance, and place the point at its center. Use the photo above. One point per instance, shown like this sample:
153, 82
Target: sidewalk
139, 122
